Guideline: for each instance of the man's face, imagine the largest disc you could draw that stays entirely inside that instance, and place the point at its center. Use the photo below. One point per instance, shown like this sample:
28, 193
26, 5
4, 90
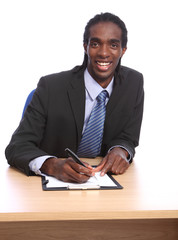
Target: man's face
104, 51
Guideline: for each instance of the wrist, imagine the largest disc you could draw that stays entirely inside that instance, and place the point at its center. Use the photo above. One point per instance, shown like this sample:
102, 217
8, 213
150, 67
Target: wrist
124, 150
48, 165
118, 150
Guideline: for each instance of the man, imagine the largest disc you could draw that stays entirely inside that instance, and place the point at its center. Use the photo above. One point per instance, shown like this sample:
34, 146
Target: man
60, 110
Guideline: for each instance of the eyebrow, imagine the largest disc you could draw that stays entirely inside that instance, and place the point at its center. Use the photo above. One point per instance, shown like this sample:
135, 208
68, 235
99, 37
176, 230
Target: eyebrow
95, 39
115, 40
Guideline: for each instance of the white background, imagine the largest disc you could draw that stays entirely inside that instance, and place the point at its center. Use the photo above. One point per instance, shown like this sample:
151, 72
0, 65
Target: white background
39, 37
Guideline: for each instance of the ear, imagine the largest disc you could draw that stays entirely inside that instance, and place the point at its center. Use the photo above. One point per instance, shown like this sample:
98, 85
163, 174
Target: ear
123, 51
85, 47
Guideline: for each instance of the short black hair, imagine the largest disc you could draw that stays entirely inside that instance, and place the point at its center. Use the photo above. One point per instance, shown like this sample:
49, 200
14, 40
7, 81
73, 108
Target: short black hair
104, 17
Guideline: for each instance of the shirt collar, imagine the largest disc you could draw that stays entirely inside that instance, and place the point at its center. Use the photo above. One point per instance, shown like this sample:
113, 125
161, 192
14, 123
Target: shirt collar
93, 88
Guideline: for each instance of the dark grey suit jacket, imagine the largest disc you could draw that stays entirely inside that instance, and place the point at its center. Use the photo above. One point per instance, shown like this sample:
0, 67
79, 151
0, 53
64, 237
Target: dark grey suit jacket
54, 119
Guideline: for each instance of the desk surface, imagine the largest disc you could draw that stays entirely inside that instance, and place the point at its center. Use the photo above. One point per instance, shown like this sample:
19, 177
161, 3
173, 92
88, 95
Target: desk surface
150, 192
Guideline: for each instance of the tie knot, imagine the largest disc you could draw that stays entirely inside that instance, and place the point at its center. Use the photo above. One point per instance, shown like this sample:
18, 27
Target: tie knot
102, 96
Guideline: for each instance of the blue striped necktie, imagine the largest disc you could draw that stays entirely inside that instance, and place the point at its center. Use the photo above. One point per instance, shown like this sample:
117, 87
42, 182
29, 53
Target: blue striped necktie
90, 144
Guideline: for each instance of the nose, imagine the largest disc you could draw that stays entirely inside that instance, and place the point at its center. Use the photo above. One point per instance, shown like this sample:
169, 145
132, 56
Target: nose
103, 51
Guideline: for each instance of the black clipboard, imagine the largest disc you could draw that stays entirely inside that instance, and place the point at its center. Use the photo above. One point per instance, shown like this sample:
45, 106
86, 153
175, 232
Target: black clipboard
67, 188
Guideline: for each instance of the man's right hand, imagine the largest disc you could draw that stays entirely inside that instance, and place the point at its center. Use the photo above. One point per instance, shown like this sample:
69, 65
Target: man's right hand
67, 170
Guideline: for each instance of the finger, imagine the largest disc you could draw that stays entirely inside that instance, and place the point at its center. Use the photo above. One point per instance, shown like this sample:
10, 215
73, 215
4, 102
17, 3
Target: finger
119, 166
79, 178
88, 165
70, 175
80, 169
107, 167
124, 168
101, 165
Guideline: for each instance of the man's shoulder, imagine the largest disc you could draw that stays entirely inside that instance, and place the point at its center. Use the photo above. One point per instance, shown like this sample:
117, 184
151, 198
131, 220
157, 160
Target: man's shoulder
73, 77
125, 71
63, 78
62, 74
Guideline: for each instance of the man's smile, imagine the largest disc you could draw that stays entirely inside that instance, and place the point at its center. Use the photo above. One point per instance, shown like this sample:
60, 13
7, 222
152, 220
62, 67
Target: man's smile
103, 65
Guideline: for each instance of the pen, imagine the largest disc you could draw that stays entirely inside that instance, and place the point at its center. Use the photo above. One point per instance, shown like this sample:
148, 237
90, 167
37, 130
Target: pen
74, 156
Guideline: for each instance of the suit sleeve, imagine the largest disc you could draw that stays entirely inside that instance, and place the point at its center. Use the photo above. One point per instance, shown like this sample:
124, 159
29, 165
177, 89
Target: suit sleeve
25, 142
128, 137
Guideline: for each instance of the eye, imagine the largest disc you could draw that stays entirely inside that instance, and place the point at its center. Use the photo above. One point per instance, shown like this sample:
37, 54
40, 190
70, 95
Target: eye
94, 44
114, 45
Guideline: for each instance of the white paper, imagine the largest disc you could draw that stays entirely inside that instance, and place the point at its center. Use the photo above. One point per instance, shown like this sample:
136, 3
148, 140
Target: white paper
96, 181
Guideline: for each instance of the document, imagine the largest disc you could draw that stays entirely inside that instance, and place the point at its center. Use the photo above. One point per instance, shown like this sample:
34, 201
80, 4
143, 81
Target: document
95, 182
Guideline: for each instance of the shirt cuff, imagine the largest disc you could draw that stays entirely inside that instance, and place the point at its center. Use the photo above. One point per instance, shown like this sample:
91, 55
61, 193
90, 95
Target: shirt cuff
36, 164
129, 158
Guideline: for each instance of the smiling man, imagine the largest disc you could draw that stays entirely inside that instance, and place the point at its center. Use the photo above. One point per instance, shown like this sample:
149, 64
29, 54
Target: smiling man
94, 109
104, 51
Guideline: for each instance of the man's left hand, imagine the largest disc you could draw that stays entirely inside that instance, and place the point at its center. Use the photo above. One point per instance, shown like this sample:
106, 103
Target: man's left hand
115, 162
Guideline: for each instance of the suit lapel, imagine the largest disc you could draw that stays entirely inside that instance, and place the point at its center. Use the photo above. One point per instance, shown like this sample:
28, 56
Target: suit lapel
76, 93
115, 96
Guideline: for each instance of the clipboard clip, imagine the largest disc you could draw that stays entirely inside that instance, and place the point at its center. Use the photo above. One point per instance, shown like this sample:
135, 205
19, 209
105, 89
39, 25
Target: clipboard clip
79, 187
44, 182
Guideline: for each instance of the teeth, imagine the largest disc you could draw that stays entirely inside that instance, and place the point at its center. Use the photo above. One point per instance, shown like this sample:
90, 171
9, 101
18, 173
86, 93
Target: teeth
103, 63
